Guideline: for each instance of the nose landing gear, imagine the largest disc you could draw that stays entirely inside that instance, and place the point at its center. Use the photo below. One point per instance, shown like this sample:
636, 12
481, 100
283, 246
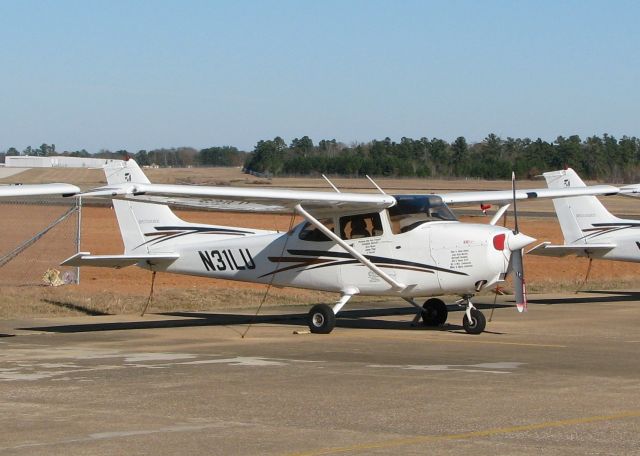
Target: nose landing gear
473, 321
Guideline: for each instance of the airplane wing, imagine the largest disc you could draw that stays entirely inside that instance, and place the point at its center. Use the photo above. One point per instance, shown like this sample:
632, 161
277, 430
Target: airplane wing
551, 250
241, 199
506, 196
38, 189
117, 261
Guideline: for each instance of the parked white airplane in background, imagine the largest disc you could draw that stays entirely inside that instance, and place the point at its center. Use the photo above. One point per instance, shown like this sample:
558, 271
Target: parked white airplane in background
588, 228
38, 189
407, 246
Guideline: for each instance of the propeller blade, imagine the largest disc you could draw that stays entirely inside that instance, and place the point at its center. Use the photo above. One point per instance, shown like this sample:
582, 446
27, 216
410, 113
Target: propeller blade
516, 230
519, 285
517, 263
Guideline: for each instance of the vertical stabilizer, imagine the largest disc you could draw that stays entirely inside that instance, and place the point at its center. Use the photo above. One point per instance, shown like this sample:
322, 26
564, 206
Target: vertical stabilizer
577, 213
137, 219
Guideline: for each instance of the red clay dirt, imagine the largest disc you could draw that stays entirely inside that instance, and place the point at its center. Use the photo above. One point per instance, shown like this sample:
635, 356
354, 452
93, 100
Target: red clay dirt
100, 235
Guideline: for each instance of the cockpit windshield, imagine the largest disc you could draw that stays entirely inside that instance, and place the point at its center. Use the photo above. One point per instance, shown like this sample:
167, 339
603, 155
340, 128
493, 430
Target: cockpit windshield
411, 211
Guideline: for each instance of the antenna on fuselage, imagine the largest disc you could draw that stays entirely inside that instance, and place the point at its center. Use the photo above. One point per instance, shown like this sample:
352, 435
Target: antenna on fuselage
330, 183
376, 185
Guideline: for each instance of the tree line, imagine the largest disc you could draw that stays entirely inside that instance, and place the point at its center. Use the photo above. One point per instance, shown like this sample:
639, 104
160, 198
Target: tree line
597, 157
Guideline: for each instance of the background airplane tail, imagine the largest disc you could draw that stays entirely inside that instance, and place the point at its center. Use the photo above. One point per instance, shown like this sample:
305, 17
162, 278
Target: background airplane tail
578, 213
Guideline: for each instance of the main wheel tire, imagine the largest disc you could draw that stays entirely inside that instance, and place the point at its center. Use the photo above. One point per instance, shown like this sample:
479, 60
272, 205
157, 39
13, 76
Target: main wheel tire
321, 319
477, 324
435, 312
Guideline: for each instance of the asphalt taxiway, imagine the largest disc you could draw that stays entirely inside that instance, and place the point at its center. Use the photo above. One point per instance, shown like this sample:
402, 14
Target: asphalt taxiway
562, 379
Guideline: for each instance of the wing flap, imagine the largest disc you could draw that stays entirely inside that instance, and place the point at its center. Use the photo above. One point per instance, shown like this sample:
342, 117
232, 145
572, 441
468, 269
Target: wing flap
118, 261
590, 250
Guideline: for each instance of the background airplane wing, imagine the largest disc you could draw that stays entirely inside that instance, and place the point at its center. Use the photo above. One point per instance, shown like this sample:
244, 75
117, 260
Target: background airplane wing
550, 250
240, 199
38, 189
506, 196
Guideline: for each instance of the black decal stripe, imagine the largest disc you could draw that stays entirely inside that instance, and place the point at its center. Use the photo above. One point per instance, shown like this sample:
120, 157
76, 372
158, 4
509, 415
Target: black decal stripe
605, 228
618, 224
375, 259
288, 268
165, 233
201, 229
300, 263
343, 263
407, 268
318, 253
185, 233
319, 263
297, 260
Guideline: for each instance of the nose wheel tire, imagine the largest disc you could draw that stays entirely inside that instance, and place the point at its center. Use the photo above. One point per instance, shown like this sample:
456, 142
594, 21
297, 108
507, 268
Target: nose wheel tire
321, 319
435, 312
477, 324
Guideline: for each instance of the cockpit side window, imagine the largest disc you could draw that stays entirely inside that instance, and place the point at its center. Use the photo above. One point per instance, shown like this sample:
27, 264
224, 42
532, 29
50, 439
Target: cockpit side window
360, 226
313, 234
412, 211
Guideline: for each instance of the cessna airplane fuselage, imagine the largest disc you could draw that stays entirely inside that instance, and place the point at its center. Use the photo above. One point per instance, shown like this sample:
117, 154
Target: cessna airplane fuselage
433, 258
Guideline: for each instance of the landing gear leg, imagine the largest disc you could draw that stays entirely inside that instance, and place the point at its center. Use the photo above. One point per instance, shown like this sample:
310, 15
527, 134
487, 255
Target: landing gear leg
419, 311
473, 321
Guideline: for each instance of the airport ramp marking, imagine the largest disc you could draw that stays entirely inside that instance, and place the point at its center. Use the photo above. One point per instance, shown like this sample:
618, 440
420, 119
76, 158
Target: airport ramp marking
475, 341
60, 364
485, 368
400, 442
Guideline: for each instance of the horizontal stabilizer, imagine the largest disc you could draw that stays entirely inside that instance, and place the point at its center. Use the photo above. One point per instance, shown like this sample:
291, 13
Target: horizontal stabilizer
118, 261
589, 250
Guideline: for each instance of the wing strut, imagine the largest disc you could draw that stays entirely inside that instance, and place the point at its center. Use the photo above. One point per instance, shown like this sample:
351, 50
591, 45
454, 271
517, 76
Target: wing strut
330, 183
355, 254
499, 213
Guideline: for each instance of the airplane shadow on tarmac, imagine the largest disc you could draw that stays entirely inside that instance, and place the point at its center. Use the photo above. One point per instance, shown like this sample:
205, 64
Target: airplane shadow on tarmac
358, 318
608, 296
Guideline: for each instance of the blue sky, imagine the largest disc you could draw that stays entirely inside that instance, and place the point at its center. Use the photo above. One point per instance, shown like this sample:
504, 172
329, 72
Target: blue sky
145, 74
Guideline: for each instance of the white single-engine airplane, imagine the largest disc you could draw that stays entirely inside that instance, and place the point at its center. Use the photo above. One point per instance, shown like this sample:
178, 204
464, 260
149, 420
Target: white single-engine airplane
407, 246
588, 228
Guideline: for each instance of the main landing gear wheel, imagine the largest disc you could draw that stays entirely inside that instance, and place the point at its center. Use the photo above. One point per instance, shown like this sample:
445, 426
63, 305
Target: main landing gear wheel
435, 312
477, 324
321, 319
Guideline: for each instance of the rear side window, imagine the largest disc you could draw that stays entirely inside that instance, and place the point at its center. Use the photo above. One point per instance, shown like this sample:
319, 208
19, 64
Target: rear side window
312, 234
